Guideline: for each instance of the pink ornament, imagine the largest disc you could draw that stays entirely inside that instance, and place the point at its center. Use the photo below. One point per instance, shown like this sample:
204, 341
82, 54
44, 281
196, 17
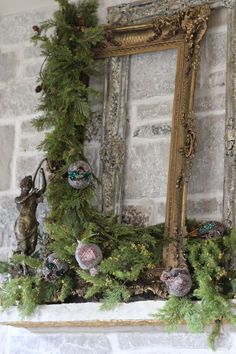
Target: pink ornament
88, 257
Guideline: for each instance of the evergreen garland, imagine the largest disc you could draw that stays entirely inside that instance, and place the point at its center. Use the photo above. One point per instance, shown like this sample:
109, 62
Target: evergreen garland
67, 42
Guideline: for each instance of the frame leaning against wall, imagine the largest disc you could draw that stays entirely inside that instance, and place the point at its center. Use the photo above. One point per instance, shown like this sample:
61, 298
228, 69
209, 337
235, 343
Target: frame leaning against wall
135, 22
182, 31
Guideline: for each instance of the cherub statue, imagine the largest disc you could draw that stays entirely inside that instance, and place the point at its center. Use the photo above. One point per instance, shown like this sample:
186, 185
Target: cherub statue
26, 225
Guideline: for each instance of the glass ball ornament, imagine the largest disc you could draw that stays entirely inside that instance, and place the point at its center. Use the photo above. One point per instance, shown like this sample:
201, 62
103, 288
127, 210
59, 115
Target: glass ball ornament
53, 268
79, 175
88, 257
4, 277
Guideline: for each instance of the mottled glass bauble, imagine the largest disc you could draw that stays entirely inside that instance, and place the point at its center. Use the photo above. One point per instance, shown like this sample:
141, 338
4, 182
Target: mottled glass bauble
79, 175
88, 257
4, 277
53, 268
212, 229
178, 281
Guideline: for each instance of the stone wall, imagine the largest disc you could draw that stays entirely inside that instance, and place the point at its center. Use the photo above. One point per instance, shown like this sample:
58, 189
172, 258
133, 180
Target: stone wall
205, 199
19, 66
140, 340
150, 102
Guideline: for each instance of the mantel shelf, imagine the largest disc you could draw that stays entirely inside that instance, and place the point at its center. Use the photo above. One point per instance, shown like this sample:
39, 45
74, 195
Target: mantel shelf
139, 313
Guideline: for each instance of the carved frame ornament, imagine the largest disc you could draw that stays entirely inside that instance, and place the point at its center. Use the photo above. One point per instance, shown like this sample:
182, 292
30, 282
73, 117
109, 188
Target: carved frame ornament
155, 26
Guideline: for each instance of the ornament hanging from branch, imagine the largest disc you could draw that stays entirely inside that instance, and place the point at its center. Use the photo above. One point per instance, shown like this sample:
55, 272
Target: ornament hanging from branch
53, 268
79, 175
178, 281
88, 257
212, 229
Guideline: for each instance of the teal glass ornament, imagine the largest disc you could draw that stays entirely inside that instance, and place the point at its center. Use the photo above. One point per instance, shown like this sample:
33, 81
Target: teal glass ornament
79, 175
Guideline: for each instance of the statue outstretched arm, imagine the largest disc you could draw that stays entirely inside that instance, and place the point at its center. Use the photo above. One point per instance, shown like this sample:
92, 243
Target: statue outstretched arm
44, 183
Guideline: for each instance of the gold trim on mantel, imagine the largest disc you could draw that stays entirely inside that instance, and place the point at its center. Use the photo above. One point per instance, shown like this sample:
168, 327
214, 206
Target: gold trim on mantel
85, 324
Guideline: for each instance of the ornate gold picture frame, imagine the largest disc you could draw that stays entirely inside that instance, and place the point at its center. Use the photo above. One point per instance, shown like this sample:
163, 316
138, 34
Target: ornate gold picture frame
182, 31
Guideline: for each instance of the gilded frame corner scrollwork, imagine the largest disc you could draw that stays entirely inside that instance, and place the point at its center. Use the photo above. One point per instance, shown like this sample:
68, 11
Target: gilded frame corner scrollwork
146, 27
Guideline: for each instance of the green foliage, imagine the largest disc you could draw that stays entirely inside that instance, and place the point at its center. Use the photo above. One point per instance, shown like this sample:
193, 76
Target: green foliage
66, 288
29, 291
4, 267
179, 310
68, 49
23, 291
211, 273
118, 293
27, 260
128, 252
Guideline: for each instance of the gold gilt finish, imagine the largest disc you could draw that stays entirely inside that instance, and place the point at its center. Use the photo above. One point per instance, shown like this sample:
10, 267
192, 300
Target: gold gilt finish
184, 32
85, 324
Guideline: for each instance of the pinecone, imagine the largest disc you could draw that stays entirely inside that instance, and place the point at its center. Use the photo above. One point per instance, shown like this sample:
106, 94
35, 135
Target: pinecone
36, 29
38, 88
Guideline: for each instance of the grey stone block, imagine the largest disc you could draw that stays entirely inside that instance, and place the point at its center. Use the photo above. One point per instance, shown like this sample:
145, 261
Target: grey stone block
146, 170
154, 130
18, 28
30, 144
82, 343
204, 206
155, 111
3, 339
31, 52
97, 84
18, 99
41, 214
176, 343
92, 154
8, 215
27, 165
215, 47
7, 136
4, 254
216, 79
158, 341
211, 102
161, 208
27, 127
8, 66
152, 74
31, 70
208, 164
218, 18
210, 80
